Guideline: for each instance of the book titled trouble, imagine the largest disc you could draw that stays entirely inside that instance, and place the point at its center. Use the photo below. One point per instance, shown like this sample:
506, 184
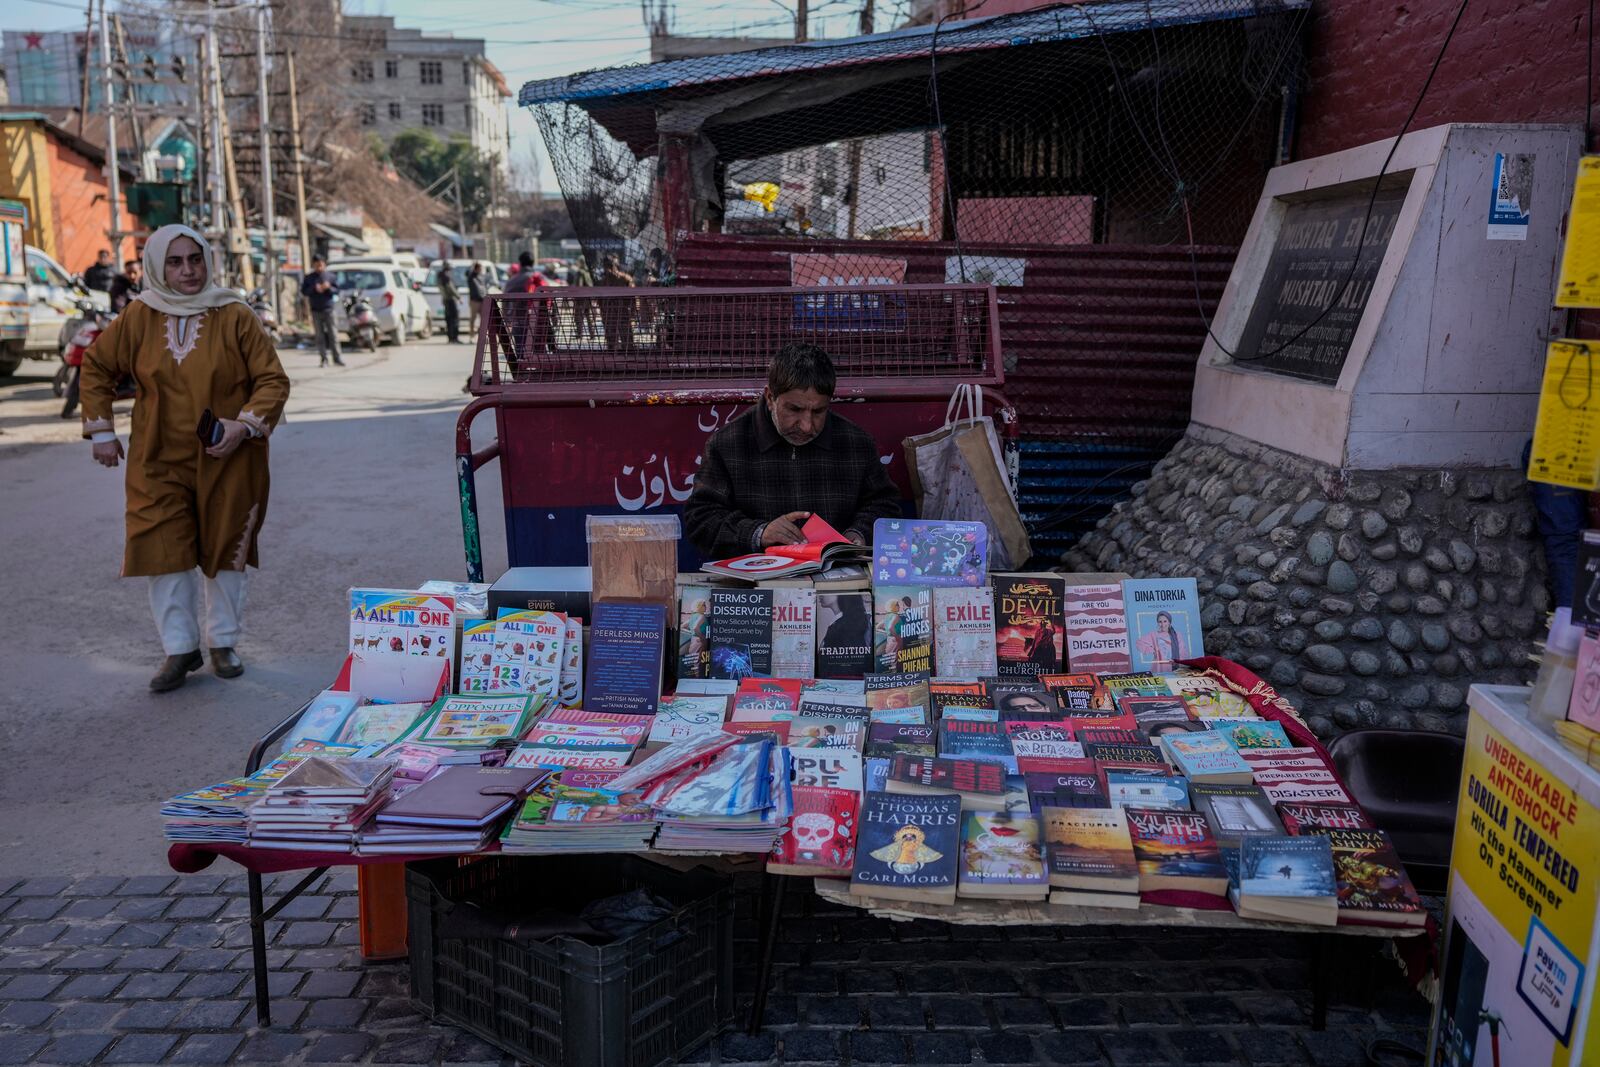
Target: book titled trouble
626, 649
741, 633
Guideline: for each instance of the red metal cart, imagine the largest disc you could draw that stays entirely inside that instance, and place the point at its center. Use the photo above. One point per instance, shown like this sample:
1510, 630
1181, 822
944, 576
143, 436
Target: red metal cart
603, 398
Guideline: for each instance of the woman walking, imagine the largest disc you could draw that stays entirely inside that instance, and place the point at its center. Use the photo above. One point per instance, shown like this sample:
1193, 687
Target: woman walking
210, 390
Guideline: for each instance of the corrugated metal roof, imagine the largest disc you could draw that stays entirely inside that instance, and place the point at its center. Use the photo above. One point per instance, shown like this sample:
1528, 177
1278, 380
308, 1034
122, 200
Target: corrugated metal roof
1060, 23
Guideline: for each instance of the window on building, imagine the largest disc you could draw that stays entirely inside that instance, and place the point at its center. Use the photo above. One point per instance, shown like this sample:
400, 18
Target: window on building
433, 114
362, 71
369, 114
391, 68
394, 112
432, 72
466, 115
466, 74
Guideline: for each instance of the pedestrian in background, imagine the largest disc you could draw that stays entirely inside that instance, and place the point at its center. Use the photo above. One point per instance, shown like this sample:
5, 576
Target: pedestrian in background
210, 391
583, 306
321, 292
616, 314
449, 297
477, 293
127, 285
101, 273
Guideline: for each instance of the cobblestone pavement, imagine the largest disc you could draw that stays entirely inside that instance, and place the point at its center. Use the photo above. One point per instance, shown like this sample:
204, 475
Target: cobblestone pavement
157, 970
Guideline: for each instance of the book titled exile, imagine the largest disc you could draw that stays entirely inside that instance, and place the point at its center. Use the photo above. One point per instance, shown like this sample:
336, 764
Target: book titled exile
741, 633
625, 656
794, 631
908, 848
844, 635
1029, 624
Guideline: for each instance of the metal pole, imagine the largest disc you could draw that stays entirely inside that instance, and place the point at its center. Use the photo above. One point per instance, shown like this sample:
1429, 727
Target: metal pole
268, 214
299, 167
113, 175
88, 39
802, 19
219, 212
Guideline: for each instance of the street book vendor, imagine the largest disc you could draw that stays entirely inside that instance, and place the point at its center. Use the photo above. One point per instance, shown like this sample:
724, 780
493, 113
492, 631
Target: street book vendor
789, 457
210, 390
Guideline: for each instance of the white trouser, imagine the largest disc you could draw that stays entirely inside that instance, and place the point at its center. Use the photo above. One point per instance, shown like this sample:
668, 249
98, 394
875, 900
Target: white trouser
174, 599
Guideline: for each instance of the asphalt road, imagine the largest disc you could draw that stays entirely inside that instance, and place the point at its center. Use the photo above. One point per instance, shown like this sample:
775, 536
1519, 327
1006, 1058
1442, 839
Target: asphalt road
363, 493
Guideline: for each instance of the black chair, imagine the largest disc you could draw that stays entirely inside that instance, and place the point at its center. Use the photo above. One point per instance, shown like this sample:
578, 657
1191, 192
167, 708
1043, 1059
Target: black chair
1408, 781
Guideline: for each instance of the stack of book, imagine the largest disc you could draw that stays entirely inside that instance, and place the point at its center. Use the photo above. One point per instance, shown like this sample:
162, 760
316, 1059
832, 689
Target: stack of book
568, 812
217, 813
320, 804
456, 810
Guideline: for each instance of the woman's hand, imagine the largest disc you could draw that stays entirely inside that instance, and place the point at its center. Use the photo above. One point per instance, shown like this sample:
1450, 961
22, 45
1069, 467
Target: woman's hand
107, 453
233, 432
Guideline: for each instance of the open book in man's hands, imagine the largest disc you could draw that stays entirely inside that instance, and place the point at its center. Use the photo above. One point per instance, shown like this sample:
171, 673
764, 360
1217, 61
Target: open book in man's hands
824, 547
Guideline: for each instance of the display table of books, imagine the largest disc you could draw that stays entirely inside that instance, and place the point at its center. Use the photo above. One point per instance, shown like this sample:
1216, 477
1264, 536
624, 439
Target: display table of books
912, 745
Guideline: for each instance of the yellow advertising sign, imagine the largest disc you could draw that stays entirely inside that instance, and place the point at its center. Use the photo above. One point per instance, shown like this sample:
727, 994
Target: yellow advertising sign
1566, 437
1522, 907
1579, 285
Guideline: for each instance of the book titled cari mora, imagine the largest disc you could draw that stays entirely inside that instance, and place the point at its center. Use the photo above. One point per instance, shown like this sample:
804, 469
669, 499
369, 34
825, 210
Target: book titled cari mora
902, 628
1163, 622
1089, 848
1002, 857
1176, 850
844, 635
909, 848
1097, 629
1373, 884
741, 633
963, 631
626, 649
1029, 624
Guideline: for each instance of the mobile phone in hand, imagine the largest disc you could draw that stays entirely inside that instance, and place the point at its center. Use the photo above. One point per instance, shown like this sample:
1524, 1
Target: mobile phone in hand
209, 430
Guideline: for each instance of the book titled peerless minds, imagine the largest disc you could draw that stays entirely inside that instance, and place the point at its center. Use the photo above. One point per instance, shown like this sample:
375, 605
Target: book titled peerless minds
625, 657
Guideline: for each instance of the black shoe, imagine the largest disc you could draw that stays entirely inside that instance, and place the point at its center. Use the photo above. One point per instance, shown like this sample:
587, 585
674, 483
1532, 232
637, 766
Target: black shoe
175, 671
226, 663
338, 363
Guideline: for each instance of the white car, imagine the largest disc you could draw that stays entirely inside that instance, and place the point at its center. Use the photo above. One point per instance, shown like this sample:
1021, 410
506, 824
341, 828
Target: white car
53, 295
396, 299
458, 273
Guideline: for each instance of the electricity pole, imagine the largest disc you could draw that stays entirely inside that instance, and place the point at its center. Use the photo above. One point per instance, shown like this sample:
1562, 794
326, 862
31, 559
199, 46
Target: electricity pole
268, 214
802, 20
113, 174
299, 168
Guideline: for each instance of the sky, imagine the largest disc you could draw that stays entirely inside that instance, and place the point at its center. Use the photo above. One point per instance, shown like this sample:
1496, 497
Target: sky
535, 39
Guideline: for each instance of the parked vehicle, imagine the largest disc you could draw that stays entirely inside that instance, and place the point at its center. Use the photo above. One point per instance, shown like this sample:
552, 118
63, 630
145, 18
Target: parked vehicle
458, 273
361, 322
262, 306
13, 286
52, 296
90, 323
395, 297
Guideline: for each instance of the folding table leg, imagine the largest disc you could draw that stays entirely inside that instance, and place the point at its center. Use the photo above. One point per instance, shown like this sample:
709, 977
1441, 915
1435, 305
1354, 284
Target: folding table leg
258, 949
1319, 981
773, 901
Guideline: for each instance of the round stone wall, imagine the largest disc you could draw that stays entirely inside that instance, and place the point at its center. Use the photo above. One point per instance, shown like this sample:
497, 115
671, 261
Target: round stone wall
1367, 598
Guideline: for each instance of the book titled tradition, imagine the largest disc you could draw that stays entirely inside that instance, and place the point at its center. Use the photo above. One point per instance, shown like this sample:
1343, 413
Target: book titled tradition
902, 628
1029, 624
844, 635
1096, 629
741, 633
909, 848
1176, 850
794, 632
1090, 849
1002, 857
963, 632
626, 649
1163, 622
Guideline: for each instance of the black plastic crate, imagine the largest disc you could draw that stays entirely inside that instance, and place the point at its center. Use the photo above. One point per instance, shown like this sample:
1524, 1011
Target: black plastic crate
640, 1001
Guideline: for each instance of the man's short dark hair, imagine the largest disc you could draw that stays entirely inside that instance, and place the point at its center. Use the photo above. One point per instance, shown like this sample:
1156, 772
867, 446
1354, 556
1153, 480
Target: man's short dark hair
801, 366
526, 259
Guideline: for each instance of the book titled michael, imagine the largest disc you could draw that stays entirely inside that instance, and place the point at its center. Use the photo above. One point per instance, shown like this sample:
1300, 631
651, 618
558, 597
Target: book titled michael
902, 628
1176, 850
1163, 622
741, 633
1090, 855
965, 739
1096, 629
794, 631
908, 848
626, 649
844, 635
963, 631
1002, 857
1029, 624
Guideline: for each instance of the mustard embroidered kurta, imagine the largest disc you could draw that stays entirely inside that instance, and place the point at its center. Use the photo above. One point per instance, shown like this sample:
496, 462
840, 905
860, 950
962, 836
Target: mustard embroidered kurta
186, 509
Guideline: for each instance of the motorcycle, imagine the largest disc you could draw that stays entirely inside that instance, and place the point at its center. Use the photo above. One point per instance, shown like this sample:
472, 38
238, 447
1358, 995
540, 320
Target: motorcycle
361, 321
262, 306
92, 322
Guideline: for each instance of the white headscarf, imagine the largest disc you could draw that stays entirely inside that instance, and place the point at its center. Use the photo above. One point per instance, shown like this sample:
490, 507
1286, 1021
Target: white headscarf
163, 297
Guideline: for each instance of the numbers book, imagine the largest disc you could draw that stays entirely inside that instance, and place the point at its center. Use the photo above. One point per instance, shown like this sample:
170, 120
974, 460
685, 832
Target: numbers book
626, 655
571, 685
844, 635
1130, 789
591, 758
1287, 879
929, 552
823, 548
1233, 811
1176, 850
819, 839
902, 629
681, 717
963, 739
1002, 857
832, 768
1373, 886
794, 631
1163, 622
1029, 624
1252, 733
1206, 757
1301, 819
477, 655
963, 632
528, 647
1096, 629
741, 633
908, 848
1090, 849
694, 631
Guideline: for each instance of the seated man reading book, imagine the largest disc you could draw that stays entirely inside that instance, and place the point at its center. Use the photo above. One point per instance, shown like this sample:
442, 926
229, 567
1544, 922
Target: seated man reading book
786, 459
